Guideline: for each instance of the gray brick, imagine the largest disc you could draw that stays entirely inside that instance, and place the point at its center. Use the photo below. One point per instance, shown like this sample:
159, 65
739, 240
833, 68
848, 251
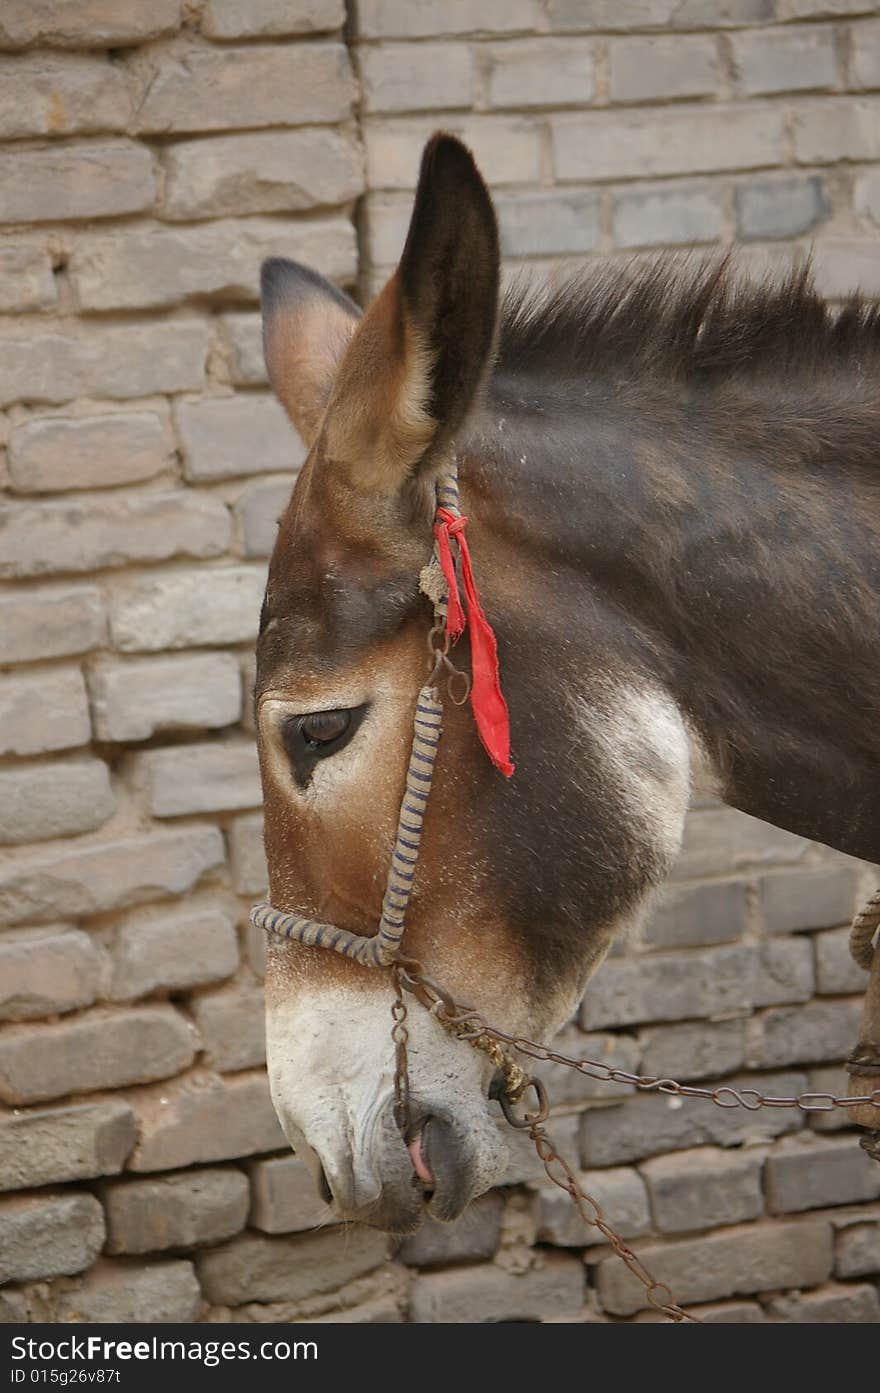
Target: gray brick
285, 1197
51, 623
866, 194
548, 224
204, 1118
831, 1079
524, 1164
690, 1051
229, 436
620, 1192
258, 1268
567, 1086
26, 280
416, 77
865, 54
43, 972
808, 1172
86, 23
117, 1293
42, 801
87, 181
175, 1211
783, 972
629, 991
247, 855
258, 510
43, 711
837, 971
244, 337
51, 94
232, 1027
87, 535
54, 453
540, 72
506, 145
789, 59
46, 1145
622, 144
704, 1188
644, 69
780, 208
659, 214
254, 19
486, 1293
394, 19
191, 947
831, 1305
843, 265
686, 916
857, 1250
809, 899
187, 609
657, 14
472, 1238
144, 696
719, 841
826, 9
201, 778
49, 1236
816, 1032
729, 1262
836, 129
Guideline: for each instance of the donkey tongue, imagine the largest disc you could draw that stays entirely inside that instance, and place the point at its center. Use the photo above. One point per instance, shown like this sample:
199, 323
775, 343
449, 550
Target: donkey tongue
420, 1166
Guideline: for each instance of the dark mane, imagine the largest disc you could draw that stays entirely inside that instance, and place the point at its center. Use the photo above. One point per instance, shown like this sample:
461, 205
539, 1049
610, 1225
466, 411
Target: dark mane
685, 322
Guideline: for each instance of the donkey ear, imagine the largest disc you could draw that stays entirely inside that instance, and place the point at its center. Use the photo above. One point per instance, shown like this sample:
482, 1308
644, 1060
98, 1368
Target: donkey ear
307, 326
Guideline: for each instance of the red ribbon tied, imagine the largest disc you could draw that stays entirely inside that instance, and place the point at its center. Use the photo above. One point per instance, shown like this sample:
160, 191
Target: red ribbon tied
487, 699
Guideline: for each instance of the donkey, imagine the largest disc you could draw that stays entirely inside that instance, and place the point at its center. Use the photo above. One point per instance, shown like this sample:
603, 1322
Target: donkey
673, 495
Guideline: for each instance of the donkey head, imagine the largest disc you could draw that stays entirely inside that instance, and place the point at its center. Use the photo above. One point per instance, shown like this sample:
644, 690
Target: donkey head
521, 884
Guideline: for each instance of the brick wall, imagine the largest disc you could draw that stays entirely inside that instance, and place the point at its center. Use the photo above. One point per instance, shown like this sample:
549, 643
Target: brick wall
151, 156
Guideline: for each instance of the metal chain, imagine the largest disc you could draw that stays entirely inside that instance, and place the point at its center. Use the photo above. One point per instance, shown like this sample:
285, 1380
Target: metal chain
400, 1038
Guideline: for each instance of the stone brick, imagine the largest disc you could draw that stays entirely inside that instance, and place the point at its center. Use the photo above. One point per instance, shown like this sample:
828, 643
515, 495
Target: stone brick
86, 23
188, 609
505, 145
548, 224
14, 1307
258, 510
622, 144
686, 916
115, 360
55, 453
285, 1197
43, 711
831, 1305
825, 9
117, 1293
175, 1211
486, 1293
866, 194
730, 1262
393, 19
808, 1172
144, 696
629, 991
783, 972
844, 265
88, 535
704, 1188
232, 1027
567, 1087
191, 947
789, 59
719, 841
864, 65
204, 1118
103, 1049
654, 1123
808, 1034
620, 1192
71, 182
51, 94
833, 129
247, 855
780, 208
837, 972
831, 1079
255, 19
244, 337
51, 623
704, 1051
857, 1250
473, 1237
656, 69
44, 972
26, 280
227, 436
810, 899
201, 778
49, 1236
257, 1268
42, 801
524, 1164
539, 72
657, 14
659, 214
47, 1145
136, 268
186, 89
416, 77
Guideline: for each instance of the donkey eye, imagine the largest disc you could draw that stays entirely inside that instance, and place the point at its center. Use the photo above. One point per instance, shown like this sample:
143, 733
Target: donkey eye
317, 735
324, 727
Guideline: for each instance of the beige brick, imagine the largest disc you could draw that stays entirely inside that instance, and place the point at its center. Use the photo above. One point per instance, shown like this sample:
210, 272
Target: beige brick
201, 778
834, 1304
790, 59
244, 337
232, 1027
246, 19
622, 144
809, 1172
189, 948
843, 265
258, 510
175, 1211
204, 1118
188, 609
118, 1293
102, 1049
144, 696
540, 72
704, 1050
84, 452
390, 19
26, 280
51, 623
43, 711
42, 801
659, 214
115, 360
832, 129
49, 1236
506, 147
704, 1188
619, 1191
90, 534
110, 875
837, 972
257, 1268
256, 85
55, 94
721, 840
814, 1033
809, 899
86, 23
228, 436
46, 1145
686, 916
657, 69
857, 1250
247, 855
72, 182
487, 1293
416, 77
864, 66
285, 1197
136, 268
274, 172
43, 973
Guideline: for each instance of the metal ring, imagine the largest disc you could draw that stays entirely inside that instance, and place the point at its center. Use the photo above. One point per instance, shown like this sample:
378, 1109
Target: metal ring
529, 1119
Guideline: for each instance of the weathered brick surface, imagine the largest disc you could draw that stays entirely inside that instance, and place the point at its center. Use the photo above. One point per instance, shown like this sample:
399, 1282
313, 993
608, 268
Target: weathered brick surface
42, 801
145, 696
540, 72
249, 874
51, 94
780, 207
44, 972
48, 1236
837, 971
698, 1050
218, 438
189, 948
202, 1117
471, 1238
175, 1211
809, 1034
285, 1197
258, 510
660, 214
201, 778
86, 23
487, 1293
55, 453
651, 69
831, 1305
687, 916
245, 19
51, 623
117, 1293
42, 1146
43, 712
255, 1267
26, 280
808, 1172
704, 1188
95, 181
188, 609
620, 1191
808, 900
857, 1250
231, 1023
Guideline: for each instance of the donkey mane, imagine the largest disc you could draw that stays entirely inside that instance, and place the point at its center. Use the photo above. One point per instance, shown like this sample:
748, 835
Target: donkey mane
690, 323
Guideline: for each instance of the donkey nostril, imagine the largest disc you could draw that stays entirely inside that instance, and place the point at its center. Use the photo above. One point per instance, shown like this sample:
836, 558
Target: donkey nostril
324, 1187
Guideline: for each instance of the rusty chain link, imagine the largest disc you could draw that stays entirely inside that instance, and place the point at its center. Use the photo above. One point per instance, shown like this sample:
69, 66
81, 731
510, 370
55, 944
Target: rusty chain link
400, 1037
